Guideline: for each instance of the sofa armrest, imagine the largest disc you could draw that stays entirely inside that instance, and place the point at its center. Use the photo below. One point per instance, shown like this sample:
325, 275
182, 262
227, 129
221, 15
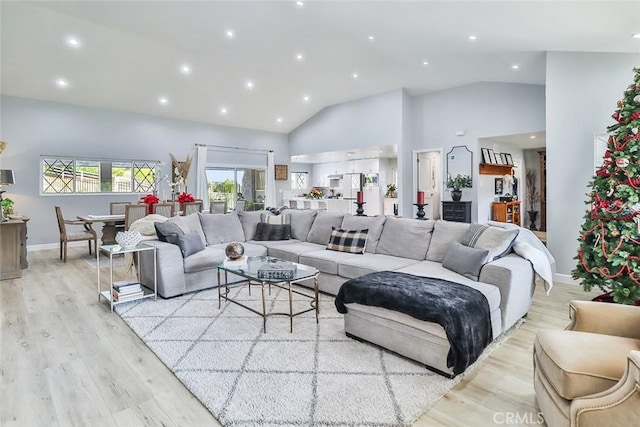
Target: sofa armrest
170, 269
514, 277
617, 406
605, 318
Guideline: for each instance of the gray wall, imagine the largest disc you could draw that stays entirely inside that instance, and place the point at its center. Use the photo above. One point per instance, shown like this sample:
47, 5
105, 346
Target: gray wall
366, 122
480, 110
582, 90
34, 128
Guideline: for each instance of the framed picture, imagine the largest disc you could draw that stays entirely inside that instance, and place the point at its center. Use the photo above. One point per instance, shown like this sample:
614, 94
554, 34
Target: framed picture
503, 158
499, 159
492, 156
498, 186
509, 159
282, 172
486, 157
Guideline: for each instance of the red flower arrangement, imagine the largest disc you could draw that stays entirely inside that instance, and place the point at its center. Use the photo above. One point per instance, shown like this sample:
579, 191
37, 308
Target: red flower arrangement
150, 199
185, 197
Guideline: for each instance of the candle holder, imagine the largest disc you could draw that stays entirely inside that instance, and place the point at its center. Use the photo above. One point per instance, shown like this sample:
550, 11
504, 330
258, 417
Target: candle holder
360, 210
420, 214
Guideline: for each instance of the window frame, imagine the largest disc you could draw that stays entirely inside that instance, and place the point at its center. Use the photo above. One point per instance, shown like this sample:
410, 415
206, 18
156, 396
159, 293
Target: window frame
136, 165
294, 179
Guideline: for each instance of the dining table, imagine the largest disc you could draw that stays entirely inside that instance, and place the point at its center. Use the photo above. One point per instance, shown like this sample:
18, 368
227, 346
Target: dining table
111, 225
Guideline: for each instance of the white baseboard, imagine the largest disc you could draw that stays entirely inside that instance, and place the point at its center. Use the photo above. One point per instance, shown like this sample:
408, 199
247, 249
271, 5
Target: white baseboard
565, 278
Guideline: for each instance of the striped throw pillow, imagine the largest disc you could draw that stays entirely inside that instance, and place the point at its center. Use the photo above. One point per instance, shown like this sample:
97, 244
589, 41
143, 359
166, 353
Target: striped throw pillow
352, 241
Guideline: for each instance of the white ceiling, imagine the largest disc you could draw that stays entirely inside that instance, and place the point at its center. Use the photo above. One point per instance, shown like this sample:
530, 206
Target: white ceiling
131, 52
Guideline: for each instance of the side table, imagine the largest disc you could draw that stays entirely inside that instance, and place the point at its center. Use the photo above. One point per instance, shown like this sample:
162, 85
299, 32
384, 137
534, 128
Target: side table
110, 251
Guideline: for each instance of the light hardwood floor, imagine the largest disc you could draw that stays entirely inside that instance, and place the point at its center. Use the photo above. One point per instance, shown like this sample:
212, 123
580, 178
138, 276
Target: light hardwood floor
66, 360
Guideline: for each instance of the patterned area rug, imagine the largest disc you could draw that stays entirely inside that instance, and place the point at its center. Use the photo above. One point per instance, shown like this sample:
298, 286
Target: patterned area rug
313, 376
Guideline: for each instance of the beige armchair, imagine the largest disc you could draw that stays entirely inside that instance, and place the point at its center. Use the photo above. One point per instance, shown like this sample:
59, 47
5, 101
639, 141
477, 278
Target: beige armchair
589, 374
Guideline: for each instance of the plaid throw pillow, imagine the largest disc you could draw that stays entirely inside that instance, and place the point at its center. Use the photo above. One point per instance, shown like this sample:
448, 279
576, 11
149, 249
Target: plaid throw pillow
352, 241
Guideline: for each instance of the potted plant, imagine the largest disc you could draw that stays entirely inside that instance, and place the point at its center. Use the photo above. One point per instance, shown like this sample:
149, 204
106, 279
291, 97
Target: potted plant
456, 185
533, 197
392, 191
7, 207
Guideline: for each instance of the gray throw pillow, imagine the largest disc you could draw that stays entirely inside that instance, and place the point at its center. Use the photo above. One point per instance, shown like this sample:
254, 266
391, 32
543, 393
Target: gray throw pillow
168, 231
190, 243
465, 260
321, 228
221, 228
265, 231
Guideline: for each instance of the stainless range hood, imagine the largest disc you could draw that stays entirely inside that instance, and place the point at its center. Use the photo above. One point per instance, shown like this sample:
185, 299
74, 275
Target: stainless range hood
335, 176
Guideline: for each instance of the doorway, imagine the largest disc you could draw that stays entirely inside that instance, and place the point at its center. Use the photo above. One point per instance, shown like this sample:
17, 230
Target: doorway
428, 178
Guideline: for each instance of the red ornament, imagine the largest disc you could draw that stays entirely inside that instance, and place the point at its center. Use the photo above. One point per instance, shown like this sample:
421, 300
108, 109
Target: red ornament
635, 116
185, 197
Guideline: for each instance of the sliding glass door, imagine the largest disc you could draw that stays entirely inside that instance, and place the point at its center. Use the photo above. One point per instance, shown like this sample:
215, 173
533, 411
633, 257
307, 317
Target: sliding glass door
233, 184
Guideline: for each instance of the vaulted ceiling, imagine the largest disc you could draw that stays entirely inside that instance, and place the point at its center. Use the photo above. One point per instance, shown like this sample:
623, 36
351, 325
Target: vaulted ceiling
131, 56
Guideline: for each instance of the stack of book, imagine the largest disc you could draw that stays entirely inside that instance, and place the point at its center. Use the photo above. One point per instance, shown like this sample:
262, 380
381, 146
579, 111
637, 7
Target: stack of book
126, 291
277, 270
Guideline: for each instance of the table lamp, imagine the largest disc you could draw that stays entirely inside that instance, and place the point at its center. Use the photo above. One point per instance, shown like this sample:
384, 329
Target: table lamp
6, 178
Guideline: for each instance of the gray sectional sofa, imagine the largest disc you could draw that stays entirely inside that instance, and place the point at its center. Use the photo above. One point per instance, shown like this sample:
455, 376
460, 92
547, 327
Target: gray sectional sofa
396, 244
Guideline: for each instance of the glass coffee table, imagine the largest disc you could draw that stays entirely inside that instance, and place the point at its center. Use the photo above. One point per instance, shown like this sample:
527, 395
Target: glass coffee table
249, 271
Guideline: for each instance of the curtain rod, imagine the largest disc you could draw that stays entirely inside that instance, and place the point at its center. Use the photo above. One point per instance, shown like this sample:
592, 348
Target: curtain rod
234, 148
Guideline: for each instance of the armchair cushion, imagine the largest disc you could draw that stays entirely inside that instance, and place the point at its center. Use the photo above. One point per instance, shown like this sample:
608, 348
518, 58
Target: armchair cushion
578, 364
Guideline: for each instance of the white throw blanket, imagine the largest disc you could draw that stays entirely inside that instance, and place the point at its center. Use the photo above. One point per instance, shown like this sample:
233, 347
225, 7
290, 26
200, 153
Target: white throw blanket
529, 247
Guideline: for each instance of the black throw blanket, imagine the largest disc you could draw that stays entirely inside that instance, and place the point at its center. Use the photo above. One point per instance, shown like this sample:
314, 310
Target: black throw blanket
462, 311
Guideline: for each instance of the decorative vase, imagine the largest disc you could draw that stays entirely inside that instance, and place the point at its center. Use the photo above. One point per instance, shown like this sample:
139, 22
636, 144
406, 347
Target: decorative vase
456, 195
234, 250
533, 215
128, 239
392, 194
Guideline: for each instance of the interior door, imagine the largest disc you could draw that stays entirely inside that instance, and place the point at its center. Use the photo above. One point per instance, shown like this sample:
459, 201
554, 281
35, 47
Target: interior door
429, 174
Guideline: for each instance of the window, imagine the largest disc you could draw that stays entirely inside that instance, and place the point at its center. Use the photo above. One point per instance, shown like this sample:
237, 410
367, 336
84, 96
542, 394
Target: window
232, 184
299, 180
86, 176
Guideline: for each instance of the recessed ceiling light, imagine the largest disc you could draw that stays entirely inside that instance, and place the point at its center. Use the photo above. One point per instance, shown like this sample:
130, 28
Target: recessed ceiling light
355, 75
249, 84
425, 63
299, 56
163, 100
532, 137
229, 34
62, 83
472, 37
306, 98
636, 35
223, 110
279, 119
299, 3
73, 41
185, 69
371, 37
515, 67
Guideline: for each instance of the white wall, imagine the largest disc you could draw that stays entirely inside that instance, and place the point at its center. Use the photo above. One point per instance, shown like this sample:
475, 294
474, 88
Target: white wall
480, 110
366, 122
34, 128
582, 90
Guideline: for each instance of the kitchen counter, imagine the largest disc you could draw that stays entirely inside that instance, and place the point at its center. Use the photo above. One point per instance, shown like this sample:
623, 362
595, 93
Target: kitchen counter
332, 205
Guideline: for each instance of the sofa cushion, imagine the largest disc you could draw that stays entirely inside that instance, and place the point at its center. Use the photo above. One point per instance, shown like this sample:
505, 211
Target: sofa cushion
465, 260
359, 265
167, 231
220, 228
578, 364
322, 225
266, 231
292, 251
190, 223
189, 243
271, 243
405, 238
207, 259
352, 241
498, 241
249, 221
372, 223
325, 261
444, 233
301, 221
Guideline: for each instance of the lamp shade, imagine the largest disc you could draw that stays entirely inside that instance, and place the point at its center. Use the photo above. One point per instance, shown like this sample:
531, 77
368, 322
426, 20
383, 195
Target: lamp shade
6, 177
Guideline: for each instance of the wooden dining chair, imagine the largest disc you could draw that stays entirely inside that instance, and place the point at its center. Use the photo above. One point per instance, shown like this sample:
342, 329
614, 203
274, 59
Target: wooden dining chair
134, 212
164, 209
117, 208
192, 207
218, 206
87, 233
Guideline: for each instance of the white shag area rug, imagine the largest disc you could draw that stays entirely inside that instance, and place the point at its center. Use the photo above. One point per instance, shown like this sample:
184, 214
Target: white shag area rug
315, 376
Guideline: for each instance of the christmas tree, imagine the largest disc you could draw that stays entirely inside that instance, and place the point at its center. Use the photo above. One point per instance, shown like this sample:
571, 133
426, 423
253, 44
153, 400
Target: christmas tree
609, 253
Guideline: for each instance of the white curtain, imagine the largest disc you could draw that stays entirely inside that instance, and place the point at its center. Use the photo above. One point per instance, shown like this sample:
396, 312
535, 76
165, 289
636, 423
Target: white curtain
201, 177
270, 199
